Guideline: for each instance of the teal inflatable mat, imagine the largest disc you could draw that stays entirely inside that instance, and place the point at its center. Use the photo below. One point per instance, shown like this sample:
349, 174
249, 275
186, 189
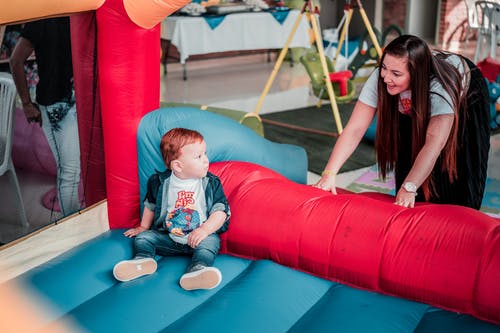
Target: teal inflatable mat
254, 296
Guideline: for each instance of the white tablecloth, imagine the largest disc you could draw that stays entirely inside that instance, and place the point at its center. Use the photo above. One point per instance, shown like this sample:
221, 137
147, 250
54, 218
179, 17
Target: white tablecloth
239, 31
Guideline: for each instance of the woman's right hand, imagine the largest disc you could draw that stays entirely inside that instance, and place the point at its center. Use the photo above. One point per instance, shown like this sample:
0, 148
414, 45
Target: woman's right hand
32, 113
327, 183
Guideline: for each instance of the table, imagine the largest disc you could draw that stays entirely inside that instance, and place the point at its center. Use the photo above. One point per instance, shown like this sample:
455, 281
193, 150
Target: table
237, 32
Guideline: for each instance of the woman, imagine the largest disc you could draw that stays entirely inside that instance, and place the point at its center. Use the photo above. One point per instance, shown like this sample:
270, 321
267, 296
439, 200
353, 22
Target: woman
432, 126
55, 108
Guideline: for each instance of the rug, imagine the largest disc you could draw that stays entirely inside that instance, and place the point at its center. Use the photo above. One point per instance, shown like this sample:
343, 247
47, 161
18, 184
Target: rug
370, 181
314, 129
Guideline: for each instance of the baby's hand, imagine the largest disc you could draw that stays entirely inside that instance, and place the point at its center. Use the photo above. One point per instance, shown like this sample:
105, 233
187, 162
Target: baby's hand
196, 236
177, 232
134, 231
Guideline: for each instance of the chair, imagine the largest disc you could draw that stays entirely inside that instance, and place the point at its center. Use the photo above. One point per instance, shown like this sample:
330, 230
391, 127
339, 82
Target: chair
7, 101
472, 20
312, 64
488, 14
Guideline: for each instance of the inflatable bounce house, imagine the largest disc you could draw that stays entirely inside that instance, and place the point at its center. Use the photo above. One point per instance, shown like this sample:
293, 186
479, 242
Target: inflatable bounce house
295, 258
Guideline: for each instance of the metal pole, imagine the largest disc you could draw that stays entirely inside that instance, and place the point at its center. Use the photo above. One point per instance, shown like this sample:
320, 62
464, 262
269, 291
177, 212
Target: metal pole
329, 87
276, 68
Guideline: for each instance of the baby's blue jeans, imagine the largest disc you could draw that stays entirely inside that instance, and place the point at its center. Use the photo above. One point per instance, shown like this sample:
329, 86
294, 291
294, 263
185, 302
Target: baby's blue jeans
151, 242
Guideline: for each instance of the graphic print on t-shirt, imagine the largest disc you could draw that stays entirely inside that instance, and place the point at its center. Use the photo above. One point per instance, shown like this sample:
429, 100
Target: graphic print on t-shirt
405, 102
183, 219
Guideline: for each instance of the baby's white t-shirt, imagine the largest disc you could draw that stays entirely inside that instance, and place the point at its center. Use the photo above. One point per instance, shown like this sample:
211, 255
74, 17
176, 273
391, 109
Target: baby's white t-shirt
187, 207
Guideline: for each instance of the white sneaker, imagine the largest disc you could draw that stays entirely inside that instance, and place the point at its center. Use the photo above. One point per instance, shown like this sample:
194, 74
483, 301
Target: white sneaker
127, 270
205, 278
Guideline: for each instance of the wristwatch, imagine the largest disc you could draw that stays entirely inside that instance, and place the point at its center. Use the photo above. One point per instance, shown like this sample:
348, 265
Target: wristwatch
410, 187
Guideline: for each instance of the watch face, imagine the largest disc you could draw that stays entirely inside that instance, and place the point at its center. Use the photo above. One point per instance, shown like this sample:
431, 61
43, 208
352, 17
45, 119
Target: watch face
410, 187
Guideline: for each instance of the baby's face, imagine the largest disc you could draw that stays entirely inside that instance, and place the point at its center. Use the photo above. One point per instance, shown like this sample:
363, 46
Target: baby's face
194, 160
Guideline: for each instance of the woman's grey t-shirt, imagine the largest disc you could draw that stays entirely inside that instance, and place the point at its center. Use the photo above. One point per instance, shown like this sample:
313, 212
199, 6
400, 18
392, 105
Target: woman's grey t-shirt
440, 99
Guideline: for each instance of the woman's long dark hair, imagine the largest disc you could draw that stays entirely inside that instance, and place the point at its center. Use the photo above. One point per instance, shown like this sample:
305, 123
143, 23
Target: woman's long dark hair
423, 66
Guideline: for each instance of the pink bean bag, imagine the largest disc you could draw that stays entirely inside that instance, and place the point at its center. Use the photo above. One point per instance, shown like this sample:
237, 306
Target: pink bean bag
30, 150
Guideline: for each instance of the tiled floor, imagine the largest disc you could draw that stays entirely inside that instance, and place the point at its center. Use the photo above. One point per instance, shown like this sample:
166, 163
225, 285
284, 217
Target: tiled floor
233, 82
237, 83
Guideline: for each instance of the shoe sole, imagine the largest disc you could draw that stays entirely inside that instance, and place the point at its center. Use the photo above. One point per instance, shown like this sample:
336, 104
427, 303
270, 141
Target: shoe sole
127, 270
207, 278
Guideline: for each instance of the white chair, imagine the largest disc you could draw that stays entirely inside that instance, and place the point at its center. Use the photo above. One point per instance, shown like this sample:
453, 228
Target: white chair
488, 13
472, 20
7, 108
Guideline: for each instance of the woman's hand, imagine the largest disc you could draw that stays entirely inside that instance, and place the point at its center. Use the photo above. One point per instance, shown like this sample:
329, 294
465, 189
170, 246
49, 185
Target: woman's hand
32, 113
327, 183
405, 198
134, 231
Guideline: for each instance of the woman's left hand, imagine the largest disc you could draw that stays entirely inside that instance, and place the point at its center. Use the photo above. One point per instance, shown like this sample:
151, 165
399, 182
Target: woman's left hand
405, 198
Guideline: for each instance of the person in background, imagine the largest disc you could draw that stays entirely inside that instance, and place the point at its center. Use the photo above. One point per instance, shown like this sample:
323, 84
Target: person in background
185, 209
432, 125
54, 109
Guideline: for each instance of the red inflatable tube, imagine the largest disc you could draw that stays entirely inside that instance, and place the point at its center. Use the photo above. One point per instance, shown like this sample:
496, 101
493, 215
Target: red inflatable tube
128, 58
444, 255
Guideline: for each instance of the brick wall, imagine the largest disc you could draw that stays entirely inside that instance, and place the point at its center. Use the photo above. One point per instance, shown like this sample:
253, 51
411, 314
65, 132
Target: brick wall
452, 24
394, 13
